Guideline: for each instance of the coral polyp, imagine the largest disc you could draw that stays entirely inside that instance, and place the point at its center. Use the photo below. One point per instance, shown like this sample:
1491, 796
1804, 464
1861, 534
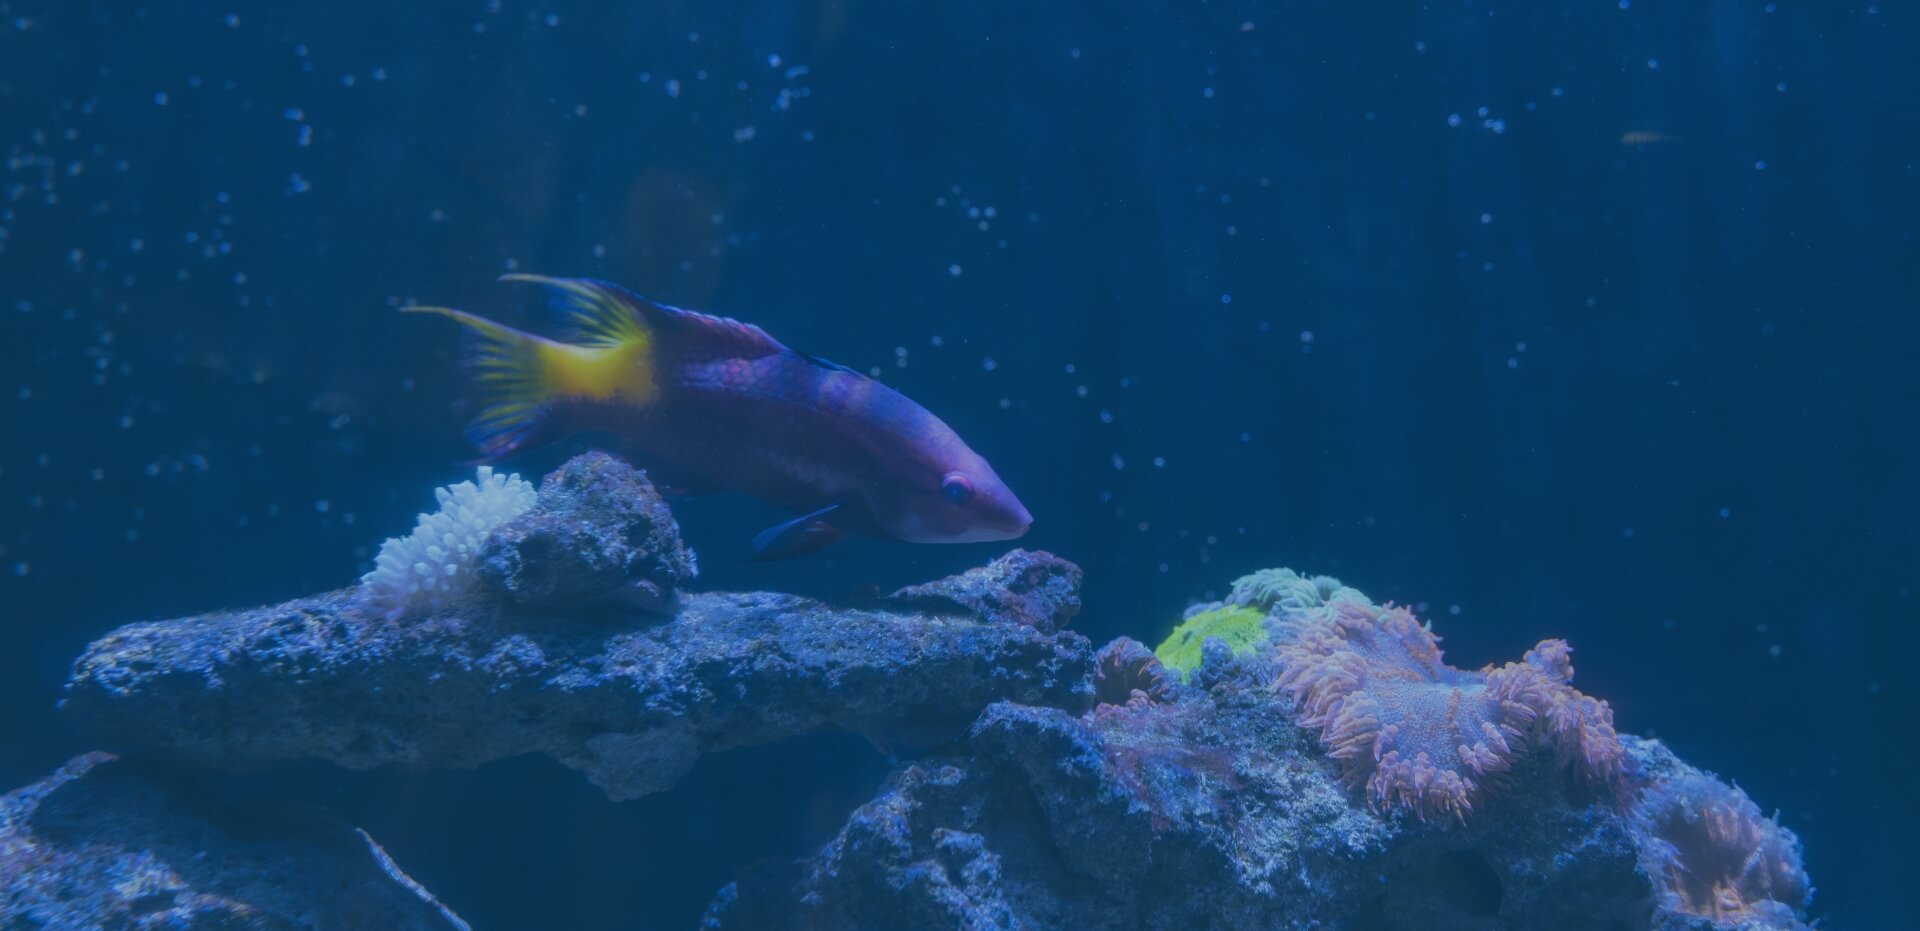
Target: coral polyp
1718, 857
430, 567
1127, 673
1418, 734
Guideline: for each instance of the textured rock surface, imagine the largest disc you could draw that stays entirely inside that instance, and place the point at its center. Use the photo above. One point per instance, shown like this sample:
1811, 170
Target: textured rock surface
1214, 812
100, 845
599, 535
632, 701
1038, 589
1218, 808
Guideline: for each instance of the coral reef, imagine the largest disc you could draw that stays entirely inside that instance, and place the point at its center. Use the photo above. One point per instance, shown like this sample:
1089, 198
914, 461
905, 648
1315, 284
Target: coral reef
1214, 811
1419, 734
1069, 790
431, 567
100, 844
1717, 857
631, 700
1242, 629
598, 535
1125, 672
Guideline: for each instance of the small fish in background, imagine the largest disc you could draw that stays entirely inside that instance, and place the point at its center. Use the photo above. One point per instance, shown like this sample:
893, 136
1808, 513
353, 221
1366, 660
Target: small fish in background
709, 403
1638, 137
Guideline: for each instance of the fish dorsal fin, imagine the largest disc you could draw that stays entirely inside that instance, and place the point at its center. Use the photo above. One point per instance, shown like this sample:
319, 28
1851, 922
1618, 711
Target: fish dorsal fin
607, 314
827, 364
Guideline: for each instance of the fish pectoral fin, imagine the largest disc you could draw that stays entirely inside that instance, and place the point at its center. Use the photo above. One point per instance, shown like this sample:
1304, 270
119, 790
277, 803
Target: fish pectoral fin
808, 533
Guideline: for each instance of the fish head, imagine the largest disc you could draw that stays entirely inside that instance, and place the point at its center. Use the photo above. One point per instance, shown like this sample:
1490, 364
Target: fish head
949, 494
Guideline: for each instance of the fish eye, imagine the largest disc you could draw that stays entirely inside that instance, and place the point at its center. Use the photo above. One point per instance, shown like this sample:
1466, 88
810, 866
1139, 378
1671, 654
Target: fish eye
956, 488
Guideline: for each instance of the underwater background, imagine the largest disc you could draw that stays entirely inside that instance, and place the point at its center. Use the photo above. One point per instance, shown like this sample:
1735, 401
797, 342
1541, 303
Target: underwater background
1591, 320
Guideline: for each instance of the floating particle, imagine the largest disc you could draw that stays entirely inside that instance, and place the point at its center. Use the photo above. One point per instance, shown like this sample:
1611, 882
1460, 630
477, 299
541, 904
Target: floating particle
673, 87
773, 61
1226, 298
233, 20
987, 364
1159, 462
1106, 416
936, 341
306, 135
954, 270
298, 185
1486, 218
1118, 463
1453, 119
1760, 165
1726, 513
160, 99
1306, 336
1006, 403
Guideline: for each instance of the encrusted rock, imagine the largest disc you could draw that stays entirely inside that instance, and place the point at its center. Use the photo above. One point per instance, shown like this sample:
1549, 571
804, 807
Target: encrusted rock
1212, 812
599, 534
631, 702
1030, 587
100, 845
1125, 672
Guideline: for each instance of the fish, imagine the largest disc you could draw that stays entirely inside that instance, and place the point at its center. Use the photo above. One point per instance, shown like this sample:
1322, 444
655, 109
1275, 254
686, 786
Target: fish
707, 403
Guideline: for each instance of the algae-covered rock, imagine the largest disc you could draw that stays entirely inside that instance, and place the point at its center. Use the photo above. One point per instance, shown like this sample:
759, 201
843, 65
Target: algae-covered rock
1220, 806
597, 535
101, 844
632, 700
1215, 811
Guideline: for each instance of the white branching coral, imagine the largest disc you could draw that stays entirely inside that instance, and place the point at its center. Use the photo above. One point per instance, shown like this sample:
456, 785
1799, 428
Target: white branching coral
424, 570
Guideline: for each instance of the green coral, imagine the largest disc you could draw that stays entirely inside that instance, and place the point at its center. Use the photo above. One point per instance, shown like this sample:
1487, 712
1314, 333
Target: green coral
1288, 592
1242, 629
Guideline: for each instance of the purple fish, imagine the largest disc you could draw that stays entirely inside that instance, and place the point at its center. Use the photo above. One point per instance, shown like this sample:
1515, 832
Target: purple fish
708, 403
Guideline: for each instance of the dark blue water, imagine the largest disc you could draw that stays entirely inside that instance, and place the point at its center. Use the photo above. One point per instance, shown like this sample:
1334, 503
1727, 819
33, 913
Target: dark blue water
1587, 319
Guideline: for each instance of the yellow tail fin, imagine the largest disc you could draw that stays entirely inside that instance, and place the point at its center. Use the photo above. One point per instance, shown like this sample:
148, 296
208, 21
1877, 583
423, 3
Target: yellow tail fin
521, 376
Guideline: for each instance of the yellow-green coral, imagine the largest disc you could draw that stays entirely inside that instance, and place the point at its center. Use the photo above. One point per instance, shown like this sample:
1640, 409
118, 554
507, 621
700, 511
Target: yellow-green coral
1242, 629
